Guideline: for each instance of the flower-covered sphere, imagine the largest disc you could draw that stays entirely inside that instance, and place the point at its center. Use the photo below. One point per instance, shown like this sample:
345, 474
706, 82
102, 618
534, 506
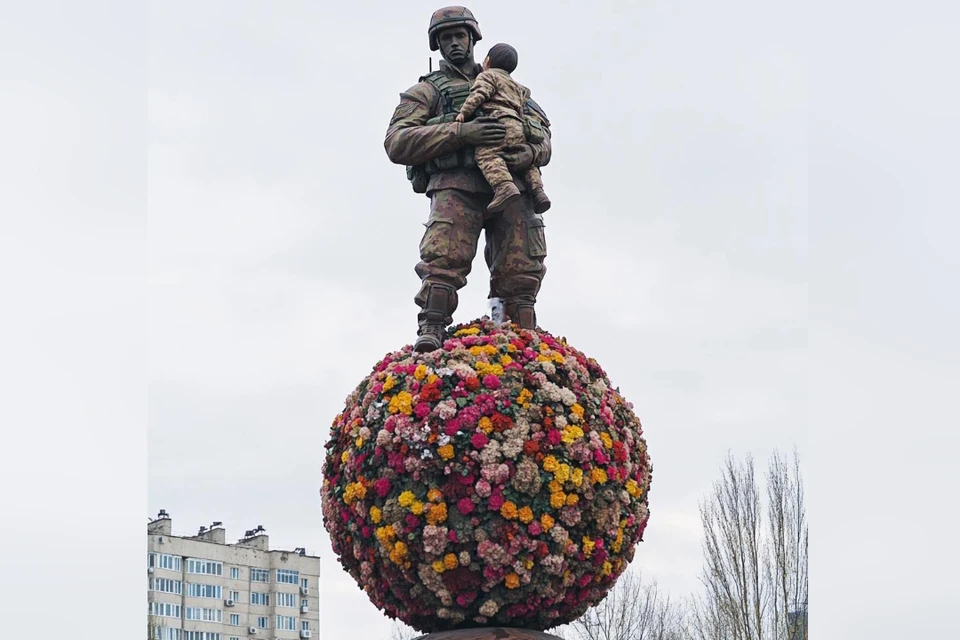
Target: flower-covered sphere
500, 480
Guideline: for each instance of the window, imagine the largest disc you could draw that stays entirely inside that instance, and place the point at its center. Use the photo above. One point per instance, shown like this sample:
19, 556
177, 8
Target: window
204, 590
304, 625
164, 561
234, 573
235, 619
287, 600
166, 585
204, 567
304, 583
286, 623
234, 638
235, 596
165, 609
304, 603
263, 622
166, 633
287, 576
262, 599
259, 575
204, 615
201, 635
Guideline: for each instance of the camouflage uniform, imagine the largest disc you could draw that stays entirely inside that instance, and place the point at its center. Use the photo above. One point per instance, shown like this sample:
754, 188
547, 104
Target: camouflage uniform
502, 97
443, 168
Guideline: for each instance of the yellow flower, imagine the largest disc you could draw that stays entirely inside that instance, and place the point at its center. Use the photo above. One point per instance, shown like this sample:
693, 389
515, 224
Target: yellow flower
577, 477
446, 451
359, 442
524, 398
505, 360
437, 514
571, 433
588, 546
416, 507
607, 569
354, 491
438, 566
344, 457
402, 402
546, 522
526, 515
607, 440
385, 535
577, 410
558, 499
528, 563
485, 425
508, 510
432, 378
543, 358
543, 347
511, 348
420, 372
467, 331
562, 474
550, 464
434, 495
398, 553
406, 498
485, 368
450, 561
633, 488
615, 546
572, 499
512, 581
559, 359
375, 515
598, 475
388, 384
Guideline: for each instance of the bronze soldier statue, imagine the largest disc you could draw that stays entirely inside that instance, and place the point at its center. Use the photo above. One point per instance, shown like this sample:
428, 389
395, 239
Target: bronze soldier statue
439, 155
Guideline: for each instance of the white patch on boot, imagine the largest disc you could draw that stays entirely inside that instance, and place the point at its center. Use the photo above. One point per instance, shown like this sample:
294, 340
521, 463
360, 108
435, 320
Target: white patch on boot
496, 311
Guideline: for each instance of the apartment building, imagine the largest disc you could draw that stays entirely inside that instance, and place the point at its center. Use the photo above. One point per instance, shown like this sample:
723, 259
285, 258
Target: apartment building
202, 588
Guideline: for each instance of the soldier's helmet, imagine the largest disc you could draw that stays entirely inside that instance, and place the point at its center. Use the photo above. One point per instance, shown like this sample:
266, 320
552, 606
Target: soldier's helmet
451, 17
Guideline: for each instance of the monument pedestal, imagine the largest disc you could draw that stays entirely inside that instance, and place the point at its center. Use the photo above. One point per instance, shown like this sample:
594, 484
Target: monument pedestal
490, 633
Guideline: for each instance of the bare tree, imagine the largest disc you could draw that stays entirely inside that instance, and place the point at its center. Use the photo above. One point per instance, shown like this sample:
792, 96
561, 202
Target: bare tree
632, 610
755, 563
400, 631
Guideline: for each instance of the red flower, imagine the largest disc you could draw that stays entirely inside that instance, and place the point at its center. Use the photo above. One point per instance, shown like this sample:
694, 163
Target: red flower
554, 437
382, 487
472, 383
479, 440
466, 506
530, 447
430, 392
619, 451
501, 422
422, 410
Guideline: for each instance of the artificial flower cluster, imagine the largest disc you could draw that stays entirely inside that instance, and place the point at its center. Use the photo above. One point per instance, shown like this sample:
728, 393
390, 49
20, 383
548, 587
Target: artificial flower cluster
500, 480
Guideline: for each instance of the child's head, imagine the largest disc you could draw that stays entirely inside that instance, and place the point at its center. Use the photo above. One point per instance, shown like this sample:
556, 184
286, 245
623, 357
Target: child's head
501, 56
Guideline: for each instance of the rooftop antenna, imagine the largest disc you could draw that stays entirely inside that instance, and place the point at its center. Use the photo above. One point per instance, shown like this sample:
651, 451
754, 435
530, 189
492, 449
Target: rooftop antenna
431, 63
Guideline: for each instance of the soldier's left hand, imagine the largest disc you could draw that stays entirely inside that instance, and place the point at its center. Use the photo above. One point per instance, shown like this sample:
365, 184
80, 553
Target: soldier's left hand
518, 157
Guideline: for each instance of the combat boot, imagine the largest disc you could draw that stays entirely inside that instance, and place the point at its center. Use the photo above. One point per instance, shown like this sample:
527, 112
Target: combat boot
541, 203
434, 318
522, 313
503, 195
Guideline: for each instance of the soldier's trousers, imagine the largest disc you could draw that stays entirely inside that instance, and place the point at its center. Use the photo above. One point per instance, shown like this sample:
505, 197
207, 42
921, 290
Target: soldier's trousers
493, 167
515, 250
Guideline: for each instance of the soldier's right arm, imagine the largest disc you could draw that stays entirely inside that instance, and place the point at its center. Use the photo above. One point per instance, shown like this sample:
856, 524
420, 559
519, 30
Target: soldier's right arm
409, 140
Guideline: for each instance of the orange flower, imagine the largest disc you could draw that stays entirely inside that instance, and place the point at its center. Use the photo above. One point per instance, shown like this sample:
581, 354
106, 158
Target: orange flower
450, 561
446, 451
526, 515
434, 495
508, 510
558, 499
572, 499
512, 581
486, 424
546, 522
437, 513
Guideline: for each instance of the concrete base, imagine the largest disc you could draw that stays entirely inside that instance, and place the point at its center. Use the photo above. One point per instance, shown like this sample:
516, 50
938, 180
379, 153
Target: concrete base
490, 633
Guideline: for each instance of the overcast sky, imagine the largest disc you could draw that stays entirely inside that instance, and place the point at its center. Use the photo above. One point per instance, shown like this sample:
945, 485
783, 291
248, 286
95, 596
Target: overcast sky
282, 242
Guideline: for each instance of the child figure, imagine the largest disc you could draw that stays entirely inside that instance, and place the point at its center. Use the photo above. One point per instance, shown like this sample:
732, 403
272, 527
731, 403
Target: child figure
503, 97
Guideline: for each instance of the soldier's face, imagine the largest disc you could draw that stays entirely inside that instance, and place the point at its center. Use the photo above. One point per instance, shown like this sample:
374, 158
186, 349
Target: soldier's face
455, 44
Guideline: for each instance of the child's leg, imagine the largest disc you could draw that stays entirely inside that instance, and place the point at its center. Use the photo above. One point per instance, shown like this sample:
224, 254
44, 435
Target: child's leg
492, 166
533, 178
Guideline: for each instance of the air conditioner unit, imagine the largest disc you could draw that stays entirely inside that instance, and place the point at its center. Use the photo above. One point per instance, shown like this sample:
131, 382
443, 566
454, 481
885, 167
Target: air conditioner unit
304, 590
304, 608
304, 633
229, 602
252, 630
149, 569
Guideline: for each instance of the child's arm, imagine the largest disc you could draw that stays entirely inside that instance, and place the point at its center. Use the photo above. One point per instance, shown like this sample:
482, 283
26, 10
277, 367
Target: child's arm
483, 88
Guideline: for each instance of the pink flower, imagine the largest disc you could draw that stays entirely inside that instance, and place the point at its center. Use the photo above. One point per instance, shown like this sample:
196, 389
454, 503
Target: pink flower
452, 426
479, 440
466, 506
534, 528
496, 501
491, 382
483, 489
382, 487
554, 437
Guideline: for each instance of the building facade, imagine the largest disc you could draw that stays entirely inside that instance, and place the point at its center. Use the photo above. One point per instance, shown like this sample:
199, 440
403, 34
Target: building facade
202, 588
